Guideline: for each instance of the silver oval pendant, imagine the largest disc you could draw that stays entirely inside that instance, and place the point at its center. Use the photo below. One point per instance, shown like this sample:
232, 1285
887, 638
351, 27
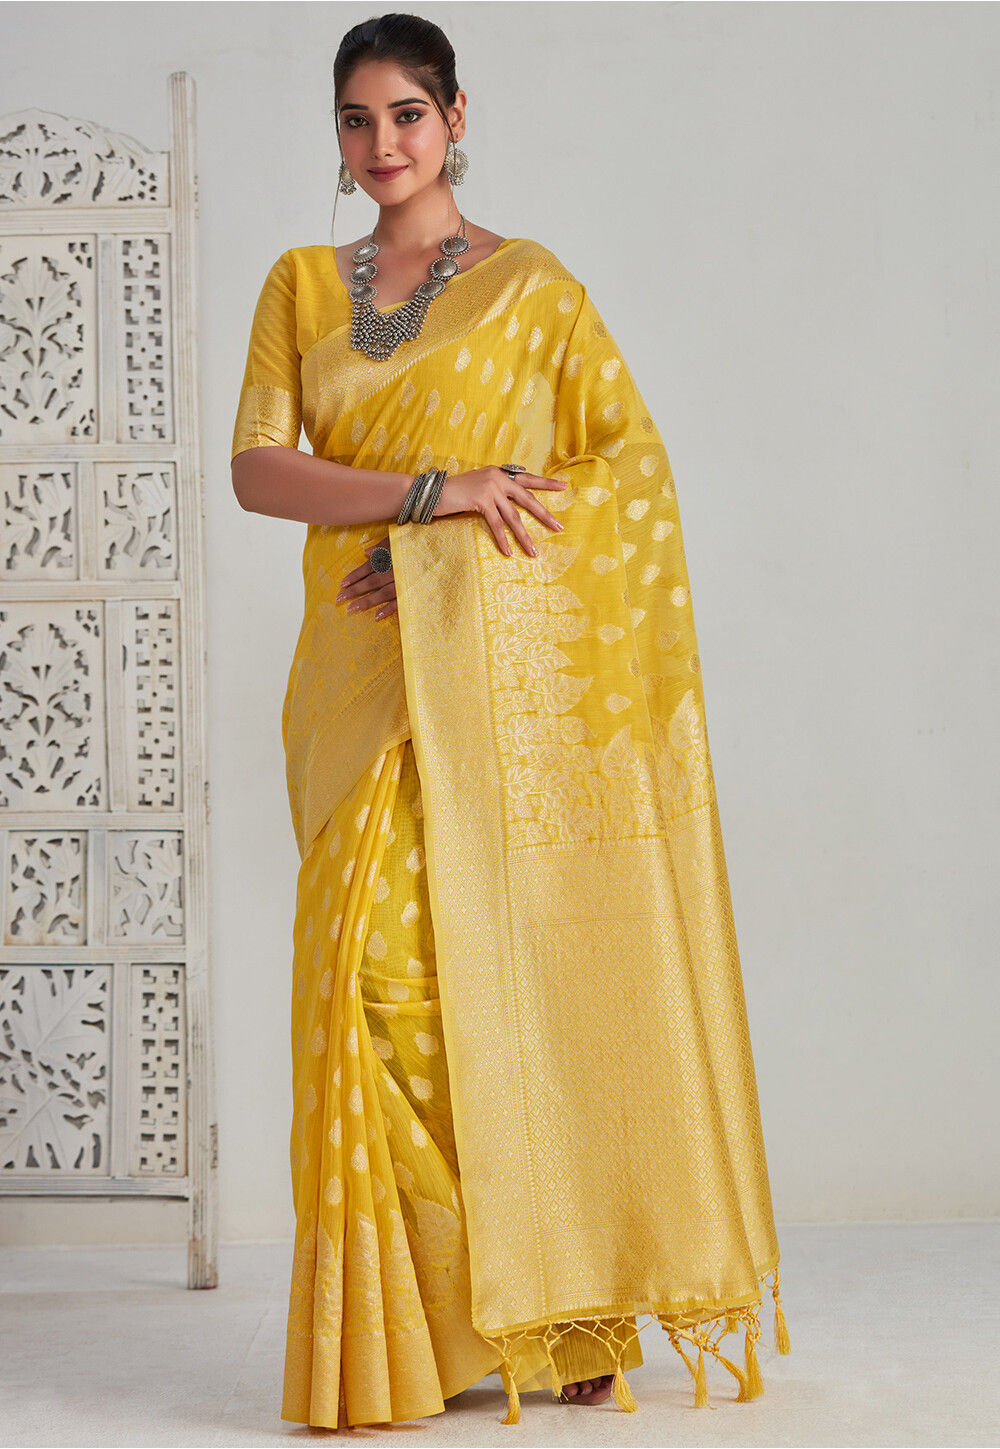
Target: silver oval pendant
430, 289
363, 292
364, 253
444, 267
364, 272
454, 246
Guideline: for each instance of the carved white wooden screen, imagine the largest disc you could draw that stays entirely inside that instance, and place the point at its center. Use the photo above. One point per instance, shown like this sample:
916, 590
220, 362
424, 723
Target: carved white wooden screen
106, 1083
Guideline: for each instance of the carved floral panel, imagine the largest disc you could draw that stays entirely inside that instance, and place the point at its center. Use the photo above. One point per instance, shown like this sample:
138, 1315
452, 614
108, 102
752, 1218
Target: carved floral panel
48, 340
39, 523
46, 888
54, 1069
63, 161
52, 738
145, 886
138, 520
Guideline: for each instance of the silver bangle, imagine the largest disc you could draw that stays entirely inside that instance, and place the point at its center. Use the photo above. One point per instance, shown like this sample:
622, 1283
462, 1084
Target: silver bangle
427, 513
422, 496
408, 502
425, 483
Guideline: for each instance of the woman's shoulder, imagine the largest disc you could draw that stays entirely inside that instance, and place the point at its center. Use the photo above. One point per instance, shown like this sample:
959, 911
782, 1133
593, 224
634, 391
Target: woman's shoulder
542, 260
309, 258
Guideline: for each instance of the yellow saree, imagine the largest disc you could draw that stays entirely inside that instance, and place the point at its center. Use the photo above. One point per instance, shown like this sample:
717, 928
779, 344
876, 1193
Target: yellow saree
525, 1107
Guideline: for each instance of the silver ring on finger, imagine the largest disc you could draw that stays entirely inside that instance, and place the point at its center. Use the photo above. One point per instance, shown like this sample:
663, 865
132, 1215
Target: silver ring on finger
381, 560
511, 468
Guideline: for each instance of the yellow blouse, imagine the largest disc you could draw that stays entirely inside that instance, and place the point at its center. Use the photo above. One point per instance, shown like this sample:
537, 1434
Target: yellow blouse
302, 301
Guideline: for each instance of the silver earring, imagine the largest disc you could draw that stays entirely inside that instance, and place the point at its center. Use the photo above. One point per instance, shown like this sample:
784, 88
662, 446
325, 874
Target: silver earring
347, 183
457, 164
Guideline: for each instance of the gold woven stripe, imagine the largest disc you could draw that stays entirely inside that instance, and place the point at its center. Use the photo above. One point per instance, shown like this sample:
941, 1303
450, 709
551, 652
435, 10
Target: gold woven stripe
266, 417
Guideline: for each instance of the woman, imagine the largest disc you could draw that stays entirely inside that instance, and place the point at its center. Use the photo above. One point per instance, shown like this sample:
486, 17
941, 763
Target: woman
525, 1110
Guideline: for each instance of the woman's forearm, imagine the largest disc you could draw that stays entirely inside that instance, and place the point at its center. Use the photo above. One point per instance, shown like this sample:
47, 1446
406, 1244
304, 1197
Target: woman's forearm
289, 483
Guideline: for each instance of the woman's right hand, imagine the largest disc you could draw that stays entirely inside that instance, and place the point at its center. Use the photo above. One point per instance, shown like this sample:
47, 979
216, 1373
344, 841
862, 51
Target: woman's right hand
496, 495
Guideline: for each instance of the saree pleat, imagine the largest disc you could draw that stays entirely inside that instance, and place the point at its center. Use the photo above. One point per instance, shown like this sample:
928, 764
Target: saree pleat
525, 1110
380, 1325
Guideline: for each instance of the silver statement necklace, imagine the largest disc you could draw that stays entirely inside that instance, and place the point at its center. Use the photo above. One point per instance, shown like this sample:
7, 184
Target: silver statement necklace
378, 334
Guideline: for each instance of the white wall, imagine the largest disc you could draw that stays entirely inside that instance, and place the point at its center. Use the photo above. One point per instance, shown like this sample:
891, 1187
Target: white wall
787, 215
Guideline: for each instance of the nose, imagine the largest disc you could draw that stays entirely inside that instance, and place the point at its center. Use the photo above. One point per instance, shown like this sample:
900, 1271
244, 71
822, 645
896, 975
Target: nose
383, 144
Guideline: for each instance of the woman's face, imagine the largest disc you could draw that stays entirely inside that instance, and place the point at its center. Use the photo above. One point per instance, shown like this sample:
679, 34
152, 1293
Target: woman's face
379, 133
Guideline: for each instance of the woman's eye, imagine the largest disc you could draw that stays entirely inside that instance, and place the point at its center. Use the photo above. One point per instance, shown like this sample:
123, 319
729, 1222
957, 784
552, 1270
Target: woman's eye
351, 119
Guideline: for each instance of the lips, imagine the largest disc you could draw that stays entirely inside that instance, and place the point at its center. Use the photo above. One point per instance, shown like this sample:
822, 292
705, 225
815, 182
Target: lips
387, 173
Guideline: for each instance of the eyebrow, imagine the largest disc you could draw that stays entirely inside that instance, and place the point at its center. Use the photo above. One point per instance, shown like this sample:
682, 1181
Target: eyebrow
350, 106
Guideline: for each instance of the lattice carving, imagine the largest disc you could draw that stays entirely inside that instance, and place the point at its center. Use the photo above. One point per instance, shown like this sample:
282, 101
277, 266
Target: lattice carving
54, 1049
145, 368
50, 160
138, 520
145, 886
46, 888
158, 1030
38, 521
51, 706
48, 342
106, 1080
151, 717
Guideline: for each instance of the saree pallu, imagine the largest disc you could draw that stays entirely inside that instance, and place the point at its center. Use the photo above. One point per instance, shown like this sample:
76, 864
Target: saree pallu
577, 970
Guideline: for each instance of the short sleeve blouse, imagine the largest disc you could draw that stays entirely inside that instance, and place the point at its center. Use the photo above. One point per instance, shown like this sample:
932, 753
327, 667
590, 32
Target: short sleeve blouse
269, 413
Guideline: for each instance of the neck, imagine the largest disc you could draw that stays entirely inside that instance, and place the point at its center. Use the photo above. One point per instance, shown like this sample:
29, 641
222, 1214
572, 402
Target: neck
421, 222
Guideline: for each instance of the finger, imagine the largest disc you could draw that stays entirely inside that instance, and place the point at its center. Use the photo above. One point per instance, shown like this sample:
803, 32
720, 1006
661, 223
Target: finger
386, 610
372, 581
363, 587
496, 525
537, 481
540, 511
509, 512
358, 572
378, 581
372, 597
363, 570
349, 581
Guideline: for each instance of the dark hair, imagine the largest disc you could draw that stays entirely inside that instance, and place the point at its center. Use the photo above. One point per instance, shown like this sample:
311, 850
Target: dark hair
419, 47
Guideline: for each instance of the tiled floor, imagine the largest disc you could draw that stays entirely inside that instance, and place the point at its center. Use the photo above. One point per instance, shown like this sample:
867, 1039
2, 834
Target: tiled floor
895, 1331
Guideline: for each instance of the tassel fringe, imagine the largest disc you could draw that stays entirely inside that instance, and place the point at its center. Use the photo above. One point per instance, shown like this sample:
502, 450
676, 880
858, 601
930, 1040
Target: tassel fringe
700, 1382
702, 1333
755, 1384
740, 1376
694, 1371
513, 1414
780, 1326
623, 1394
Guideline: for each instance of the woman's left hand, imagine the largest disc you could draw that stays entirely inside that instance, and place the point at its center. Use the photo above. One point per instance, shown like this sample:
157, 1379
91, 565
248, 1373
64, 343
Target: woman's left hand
365, 588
